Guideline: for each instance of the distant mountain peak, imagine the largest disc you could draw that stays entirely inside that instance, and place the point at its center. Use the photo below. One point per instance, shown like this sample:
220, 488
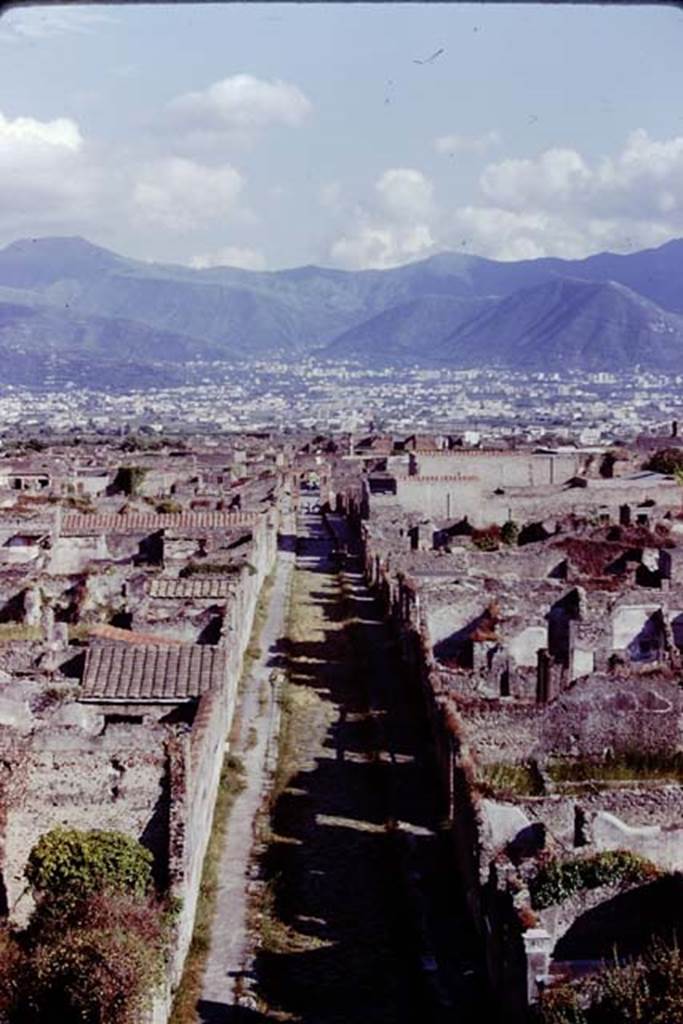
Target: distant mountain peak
59, 243
605, 310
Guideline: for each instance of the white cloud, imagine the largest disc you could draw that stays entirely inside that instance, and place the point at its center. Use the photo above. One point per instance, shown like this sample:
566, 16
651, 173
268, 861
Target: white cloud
452, 145
44, 23
241, 104
231, 256
556, 176
381, 246
559, 203
182, 195
45, 172
405, 194
392, 228
26, 132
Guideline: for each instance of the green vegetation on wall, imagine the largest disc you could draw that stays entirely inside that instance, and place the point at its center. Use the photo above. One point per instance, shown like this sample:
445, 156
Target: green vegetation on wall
559, 880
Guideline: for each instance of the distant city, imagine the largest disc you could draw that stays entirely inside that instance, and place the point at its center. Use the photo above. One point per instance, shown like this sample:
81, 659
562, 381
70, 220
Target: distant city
588, 351
224, 398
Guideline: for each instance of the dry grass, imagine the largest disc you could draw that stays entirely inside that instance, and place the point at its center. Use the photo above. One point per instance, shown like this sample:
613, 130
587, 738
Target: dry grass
17, 631
631, 767
508, 780
305, 715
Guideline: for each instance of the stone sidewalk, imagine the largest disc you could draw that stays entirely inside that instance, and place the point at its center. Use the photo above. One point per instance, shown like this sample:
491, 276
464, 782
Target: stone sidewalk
258, 717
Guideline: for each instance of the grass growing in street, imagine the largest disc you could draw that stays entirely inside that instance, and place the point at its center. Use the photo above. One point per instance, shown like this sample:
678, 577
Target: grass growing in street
507, 780
302, 708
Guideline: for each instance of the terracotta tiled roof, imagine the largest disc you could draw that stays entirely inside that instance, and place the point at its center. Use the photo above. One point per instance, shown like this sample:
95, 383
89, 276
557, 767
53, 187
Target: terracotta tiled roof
195, 587
135, 522
143, 672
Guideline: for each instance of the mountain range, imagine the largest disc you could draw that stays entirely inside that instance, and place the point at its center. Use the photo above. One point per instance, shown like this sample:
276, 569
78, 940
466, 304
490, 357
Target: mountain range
73, 310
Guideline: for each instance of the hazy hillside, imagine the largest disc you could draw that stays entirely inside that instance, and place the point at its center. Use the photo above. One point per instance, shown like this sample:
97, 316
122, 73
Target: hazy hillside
407, 333
66, 293
569, 324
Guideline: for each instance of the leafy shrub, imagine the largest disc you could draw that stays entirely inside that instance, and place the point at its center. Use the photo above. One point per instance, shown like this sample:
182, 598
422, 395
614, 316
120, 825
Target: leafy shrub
666, 460
128, 480
209, 569
648, 990
560, 879
12, 968
560, 1005
509, 532
488, 539
100, 961
215, 569
96, 958
168, 507
66, 865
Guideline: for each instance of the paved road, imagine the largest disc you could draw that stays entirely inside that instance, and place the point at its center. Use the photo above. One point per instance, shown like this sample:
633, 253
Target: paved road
229, 950
372, 919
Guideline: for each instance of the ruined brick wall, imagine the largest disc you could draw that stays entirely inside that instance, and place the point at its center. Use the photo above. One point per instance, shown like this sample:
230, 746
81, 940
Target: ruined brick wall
499, 732
117, 780
603, 714
454, 495
636, 805
195, 774
196, 769
595, 716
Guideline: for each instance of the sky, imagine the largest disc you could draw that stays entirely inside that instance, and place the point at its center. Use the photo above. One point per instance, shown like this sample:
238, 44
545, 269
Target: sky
353, 136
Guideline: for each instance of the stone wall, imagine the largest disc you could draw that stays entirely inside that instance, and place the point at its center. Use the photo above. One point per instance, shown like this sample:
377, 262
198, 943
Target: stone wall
501, 469
153, 781
63, 776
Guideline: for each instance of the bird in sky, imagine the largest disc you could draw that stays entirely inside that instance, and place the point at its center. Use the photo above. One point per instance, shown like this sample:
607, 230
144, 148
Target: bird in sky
428, 60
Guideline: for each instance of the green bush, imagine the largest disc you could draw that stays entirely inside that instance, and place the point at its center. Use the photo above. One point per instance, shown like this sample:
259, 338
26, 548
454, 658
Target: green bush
128, 480
12, 976
507, 780
66, 865
209, 569
509, 532
558, 880
666, 460
560, 1005
488, 539
648, 990
100, 962
168, 507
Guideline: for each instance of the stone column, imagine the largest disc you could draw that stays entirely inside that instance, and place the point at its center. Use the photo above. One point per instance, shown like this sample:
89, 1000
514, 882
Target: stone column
537, 947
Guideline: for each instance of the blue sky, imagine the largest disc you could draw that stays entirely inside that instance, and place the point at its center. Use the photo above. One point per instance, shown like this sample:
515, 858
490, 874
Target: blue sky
277, 135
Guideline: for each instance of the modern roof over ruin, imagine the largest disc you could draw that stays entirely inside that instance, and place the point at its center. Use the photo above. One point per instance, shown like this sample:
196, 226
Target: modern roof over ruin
134, 522
212, 587
139, 673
